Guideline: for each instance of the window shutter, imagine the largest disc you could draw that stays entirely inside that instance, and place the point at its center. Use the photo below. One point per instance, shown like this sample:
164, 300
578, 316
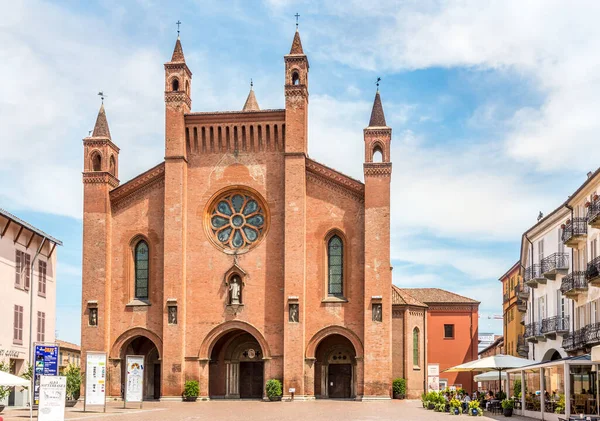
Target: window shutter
17, 268
27, 270
16, 323
43, 326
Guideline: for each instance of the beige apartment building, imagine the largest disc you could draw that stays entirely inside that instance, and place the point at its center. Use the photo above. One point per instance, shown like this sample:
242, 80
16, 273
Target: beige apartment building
28, 275
69, 354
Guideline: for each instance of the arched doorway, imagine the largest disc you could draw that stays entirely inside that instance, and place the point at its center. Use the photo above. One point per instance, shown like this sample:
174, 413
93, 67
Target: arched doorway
552, 355
335, 368
236, 367
141, 345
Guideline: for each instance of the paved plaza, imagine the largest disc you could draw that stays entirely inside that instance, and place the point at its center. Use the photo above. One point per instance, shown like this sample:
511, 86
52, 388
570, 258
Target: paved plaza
256, 410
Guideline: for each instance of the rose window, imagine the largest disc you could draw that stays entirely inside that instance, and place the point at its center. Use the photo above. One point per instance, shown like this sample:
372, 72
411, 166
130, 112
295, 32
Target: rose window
237, 221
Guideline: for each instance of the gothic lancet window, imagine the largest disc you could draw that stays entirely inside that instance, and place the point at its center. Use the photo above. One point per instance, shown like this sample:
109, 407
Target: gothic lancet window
141, 270
335, 261
416, 351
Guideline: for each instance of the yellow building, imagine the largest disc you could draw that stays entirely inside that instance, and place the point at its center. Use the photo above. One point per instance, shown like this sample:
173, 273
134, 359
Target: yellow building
514, 305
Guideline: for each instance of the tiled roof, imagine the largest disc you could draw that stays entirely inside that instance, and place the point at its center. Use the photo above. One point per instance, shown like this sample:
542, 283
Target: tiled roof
437, 296
101, 127
251, 102
400, 297
296, 45
28, 226
69, 345
178, 53
377, 116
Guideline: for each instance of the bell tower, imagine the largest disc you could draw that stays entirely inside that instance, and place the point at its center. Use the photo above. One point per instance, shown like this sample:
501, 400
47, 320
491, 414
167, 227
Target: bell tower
378, 275
296, 98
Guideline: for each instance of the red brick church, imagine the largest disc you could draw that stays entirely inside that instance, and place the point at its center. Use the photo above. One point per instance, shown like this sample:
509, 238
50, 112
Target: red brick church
239, 259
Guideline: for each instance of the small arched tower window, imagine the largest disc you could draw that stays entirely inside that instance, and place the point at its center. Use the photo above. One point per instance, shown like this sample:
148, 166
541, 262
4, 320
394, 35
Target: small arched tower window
335, 262
141, 270
377, 154
416, 350
295, 78
96, 162
113, 165
175, 85
187, 87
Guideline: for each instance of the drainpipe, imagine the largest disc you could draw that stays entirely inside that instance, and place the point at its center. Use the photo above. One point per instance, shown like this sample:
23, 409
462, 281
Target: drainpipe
532, 297
572, 271
425, 350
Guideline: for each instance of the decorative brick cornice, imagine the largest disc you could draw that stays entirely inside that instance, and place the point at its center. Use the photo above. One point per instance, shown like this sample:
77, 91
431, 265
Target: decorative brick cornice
178, 96
378, 131
295, 58
177, 66
296, 90
450, 307
100, 177
143, 180
100, 141
323, 175
378, 169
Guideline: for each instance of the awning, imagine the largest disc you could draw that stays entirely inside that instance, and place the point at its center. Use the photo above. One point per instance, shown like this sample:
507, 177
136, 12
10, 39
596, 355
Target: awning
490, 376
10, 380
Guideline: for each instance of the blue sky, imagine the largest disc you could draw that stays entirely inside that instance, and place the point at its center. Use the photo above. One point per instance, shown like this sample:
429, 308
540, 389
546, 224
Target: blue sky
493, 107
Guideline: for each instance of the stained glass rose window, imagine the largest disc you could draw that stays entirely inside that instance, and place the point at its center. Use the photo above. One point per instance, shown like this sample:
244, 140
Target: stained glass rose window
237, 220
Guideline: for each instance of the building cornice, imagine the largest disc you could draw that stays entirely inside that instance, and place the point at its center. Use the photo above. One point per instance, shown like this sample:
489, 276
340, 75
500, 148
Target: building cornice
100, 177
149, 177
378, 169
100, 141
322, 174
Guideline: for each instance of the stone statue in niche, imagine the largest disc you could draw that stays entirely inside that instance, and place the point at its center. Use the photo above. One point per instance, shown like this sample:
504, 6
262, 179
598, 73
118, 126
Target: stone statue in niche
235, 290
294, 316
172, 315
377, 312
93, 317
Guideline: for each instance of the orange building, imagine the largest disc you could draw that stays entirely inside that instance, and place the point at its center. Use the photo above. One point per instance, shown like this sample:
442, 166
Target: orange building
514, 306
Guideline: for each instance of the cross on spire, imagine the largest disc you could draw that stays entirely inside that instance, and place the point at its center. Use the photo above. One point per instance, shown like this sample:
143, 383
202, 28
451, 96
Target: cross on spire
377, 83
178, 23
297, 16
101, 95
251, 83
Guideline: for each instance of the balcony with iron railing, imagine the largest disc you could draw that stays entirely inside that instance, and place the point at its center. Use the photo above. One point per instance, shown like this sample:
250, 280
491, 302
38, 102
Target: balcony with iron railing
574, 232
522, 347
556, 263
573, 284
557, 325
582, 339
522, 291
592, 273
523, 317
506, 297
533, 276
521, 305
533, 332
593, 213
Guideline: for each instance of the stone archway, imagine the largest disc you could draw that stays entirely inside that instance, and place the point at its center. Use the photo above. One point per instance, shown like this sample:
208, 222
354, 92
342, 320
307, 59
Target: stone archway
137, 341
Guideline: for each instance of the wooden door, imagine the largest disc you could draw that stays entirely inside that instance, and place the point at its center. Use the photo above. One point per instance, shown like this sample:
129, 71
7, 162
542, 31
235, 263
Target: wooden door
251, 380
156, 381
340, 381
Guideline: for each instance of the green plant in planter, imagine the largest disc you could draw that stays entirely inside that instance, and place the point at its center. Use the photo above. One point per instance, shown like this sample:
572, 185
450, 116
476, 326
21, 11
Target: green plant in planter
517, 388
455, 404
560, 405
508, 404
191, 389
73, 375
474, 409
4, 391
274, 389
399, 387
500, 396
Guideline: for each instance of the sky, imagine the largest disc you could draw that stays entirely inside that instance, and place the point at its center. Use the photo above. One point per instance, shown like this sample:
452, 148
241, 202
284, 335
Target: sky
493, 107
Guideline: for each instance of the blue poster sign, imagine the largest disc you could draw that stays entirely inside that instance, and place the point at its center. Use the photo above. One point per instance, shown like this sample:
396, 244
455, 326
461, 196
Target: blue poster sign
46, 364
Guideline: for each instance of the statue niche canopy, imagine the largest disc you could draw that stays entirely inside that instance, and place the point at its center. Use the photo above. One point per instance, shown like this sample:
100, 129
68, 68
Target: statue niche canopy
237, 220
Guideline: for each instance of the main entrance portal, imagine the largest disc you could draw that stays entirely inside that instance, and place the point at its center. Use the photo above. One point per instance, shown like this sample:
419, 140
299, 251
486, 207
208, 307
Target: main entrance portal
335, 368
236, 367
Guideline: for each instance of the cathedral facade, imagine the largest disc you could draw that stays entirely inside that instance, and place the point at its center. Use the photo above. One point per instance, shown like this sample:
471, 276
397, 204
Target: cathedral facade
238, 258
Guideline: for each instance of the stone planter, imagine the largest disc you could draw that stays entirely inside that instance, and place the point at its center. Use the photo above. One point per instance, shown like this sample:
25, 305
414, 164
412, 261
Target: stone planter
190, 398
508, 412
431, 406
70, 403
275, 398
2, 408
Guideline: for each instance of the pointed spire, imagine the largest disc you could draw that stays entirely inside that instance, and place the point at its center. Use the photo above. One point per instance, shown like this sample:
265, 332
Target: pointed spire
178, 53
251, 103
296, 44
101, 127
377, 116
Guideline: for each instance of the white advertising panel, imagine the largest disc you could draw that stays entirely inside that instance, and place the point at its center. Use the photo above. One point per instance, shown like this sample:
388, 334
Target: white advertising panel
95, 379
134, 388
53, 391
433, 377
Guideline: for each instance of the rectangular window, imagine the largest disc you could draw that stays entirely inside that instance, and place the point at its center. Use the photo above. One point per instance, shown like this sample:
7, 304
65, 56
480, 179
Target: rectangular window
42, 278
41, 326
18, 325
448, 331
540, 251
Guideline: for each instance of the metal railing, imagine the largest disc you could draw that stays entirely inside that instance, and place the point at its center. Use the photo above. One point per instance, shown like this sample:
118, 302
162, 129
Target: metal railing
578, 226
522, 346
555, 324
593, 269
506, 297
533, 329
593, 211
574, 280
522, 290
556, 261
532, 272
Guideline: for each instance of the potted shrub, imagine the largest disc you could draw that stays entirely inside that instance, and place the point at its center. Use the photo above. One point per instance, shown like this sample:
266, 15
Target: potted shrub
274, 390
507, 406
399, 387
560, 405
455, 407
73, 375
191, 391
474, 409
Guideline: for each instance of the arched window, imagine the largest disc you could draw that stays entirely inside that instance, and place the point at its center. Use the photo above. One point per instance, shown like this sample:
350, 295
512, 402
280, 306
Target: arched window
175, 85
416, 350
112, 165
335, 260
187, 87
96, 162
377, 154
141, 270
295, 78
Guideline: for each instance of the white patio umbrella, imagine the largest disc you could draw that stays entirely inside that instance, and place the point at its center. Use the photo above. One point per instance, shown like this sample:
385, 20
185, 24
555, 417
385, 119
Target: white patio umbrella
10, 380
490, 376
496, 363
